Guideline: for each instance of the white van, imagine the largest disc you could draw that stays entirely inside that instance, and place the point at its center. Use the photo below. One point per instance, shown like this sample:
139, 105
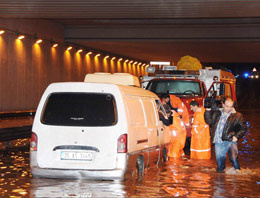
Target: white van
96, 131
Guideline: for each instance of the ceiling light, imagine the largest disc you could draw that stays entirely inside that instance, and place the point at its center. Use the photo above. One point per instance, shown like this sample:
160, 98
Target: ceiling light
20, 37
120, 59
106, 57
131, 62
55, 45
39, 41
2, 31
126, 61
69, 48
80, 50
97, 55
113, 58
89, 53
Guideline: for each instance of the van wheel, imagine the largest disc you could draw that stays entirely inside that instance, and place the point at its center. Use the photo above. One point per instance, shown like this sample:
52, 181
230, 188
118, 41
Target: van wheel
164, 151
140, 165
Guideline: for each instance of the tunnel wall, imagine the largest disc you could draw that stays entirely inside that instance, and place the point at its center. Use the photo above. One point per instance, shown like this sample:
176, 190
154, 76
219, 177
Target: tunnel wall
26, 68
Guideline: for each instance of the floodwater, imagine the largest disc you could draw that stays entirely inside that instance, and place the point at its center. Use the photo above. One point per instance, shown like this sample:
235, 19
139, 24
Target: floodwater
178, 178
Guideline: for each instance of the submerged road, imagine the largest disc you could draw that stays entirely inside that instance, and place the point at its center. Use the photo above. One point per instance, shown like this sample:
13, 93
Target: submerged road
178, 178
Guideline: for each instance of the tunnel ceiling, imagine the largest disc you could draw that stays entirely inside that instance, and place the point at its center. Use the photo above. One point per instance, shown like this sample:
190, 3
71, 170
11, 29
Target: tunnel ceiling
212, 30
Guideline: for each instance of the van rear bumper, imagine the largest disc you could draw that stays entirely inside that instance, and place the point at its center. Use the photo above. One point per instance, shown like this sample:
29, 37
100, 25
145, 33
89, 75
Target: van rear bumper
115, 174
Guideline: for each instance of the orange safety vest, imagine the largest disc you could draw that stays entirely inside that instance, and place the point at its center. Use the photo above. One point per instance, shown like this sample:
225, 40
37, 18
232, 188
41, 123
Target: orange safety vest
178, 137
200, 137
182, 109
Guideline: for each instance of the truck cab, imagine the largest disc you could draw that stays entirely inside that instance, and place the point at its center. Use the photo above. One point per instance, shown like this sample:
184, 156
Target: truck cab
204, 85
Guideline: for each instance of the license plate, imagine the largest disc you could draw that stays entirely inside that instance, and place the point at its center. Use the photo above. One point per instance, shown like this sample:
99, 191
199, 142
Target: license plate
67, 155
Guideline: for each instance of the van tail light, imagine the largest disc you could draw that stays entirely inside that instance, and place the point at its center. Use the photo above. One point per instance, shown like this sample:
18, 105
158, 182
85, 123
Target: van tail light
33, 143
122, 144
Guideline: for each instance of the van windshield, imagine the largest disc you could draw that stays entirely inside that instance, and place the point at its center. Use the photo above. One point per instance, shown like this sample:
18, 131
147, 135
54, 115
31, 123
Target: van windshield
177, 87
80, 109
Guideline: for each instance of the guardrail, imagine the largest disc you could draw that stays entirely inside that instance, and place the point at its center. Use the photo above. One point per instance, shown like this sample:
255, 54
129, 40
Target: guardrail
23, 130
17, 114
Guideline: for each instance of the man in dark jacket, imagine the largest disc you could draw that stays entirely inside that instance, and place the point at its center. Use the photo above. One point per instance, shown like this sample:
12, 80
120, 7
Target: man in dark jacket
227, 127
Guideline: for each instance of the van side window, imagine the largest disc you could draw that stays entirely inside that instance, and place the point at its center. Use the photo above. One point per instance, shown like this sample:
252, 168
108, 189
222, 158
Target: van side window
162, 113
159, 104
80, 109
135, 111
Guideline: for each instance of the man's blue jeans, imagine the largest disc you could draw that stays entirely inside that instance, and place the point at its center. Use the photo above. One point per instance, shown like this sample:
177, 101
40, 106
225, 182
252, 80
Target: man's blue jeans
221, 150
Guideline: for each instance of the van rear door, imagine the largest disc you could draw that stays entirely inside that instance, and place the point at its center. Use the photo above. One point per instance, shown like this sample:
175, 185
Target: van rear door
78, 131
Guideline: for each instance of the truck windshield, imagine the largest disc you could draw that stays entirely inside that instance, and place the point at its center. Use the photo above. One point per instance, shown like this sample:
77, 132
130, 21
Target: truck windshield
80, 109
177, 87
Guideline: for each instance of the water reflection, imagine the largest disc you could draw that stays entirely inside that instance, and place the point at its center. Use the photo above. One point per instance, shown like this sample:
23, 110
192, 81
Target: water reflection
75, 188
189, 178
177, 178
14, 169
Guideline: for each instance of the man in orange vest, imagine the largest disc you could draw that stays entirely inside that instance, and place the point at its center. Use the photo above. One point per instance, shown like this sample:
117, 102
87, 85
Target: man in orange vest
176, 102
200, 135
178, 136
177, 128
